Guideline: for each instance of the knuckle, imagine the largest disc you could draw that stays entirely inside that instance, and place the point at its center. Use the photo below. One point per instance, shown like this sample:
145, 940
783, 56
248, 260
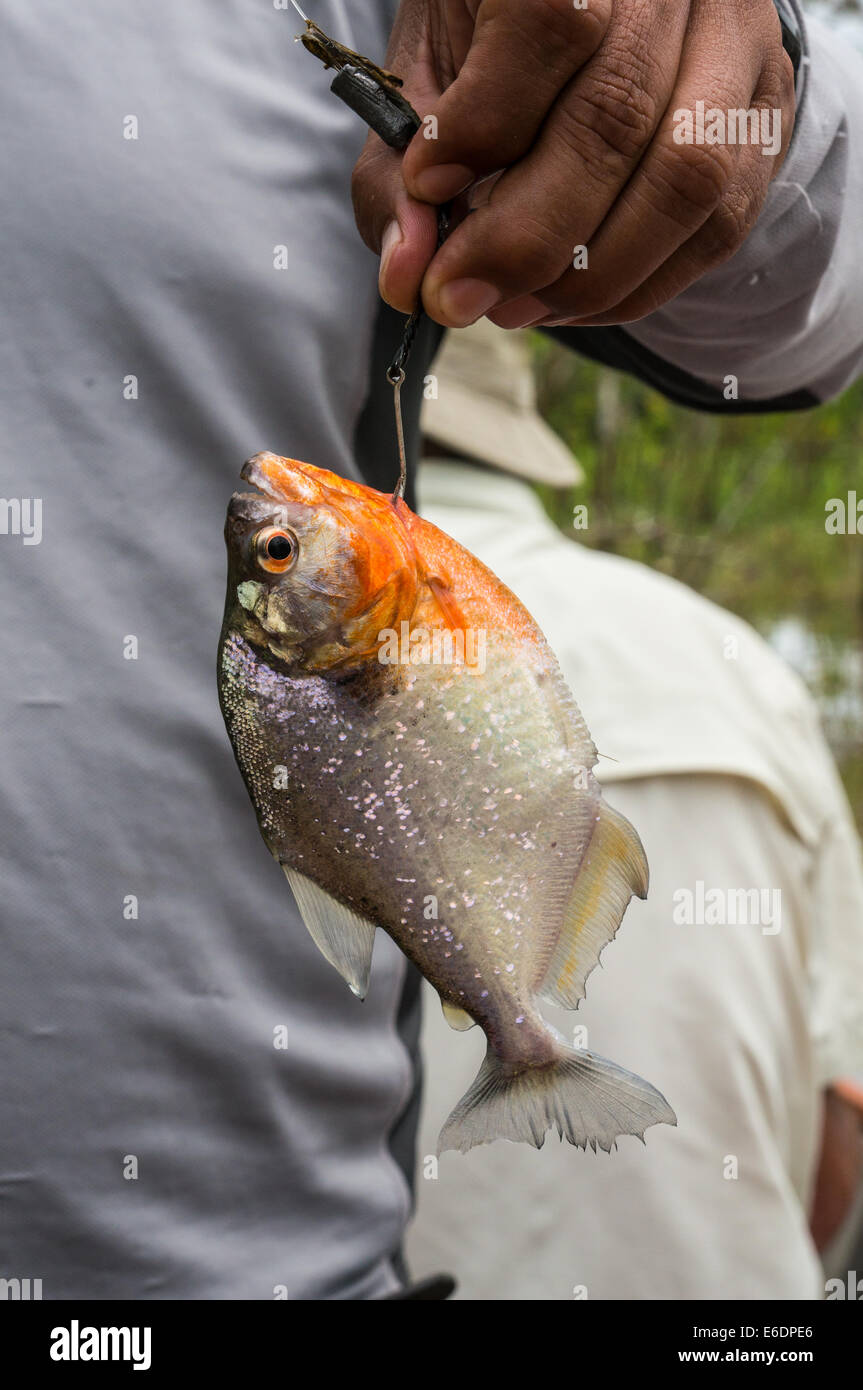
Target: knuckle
618, 111
777, 83
693, 180
726, 235
731, 223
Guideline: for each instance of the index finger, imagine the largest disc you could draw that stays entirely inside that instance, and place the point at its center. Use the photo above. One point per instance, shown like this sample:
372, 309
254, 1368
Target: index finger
521, 57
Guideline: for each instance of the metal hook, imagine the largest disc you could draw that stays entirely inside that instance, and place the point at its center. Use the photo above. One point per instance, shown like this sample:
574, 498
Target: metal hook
396, 376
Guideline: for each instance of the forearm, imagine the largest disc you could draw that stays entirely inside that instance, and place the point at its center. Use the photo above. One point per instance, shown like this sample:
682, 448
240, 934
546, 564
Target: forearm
840, 1168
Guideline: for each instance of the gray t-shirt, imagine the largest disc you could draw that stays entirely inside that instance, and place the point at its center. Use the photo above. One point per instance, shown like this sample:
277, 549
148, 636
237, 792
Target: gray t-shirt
156, 1138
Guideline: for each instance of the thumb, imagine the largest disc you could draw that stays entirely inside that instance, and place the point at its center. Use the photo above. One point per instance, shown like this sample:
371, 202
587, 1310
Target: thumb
401, 229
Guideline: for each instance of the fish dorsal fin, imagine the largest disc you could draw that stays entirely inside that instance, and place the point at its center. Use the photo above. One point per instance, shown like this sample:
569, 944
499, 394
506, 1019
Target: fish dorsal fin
612, 870
342, 937
457, 1018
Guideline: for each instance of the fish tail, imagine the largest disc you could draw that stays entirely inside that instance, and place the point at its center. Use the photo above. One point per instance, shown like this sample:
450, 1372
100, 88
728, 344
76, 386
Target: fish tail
588, 1099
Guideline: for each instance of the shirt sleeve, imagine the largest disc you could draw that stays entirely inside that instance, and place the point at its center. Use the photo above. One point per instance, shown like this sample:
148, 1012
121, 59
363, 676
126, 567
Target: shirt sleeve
784, 315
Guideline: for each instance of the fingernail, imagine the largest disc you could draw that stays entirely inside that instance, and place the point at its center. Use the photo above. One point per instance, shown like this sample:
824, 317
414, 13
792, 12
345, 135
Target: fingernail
389, 241
441, 182
462, 302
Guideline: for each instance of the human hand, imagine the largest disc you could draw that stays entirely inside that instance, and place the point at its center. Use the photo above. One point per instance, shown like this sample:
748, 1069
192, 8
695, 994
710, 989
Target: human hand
577, 107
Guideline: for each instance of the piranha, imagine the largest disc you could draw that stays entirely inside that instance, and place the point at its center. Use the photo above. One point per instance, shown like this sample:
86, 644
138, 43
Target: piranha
417, 762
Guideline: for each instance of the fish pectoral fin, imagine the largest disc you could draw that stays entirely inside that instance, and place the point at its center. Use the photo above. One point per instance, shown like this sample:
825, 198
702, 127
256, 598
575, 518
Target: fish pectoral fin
343, 937
614, 868
457, 1018
446, 602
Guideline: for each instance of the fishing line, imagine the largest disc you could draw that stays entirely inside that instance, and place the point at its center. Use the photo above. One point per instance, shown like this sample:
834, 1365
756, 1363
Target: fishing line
373, 93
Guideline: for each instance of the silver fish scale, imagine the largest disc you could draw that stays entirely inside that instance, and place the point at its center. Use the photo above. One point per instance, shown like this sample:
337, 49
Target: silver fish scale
453, 809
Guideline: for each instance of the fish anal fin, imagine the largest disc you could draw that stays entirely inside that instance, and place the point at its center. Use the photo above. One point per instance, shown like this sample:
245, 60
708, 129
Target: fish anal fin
344, 938
614, 868
457, 1018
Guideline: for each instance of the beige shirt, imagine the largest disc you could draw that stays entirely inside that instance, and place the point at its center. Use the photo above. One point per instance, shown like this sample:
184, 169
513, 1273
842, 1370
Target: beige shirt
738, 1004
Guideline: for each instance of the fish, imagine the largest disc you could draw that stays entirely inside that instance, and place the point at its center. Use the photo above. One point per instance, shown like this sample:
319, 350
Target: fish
418, 764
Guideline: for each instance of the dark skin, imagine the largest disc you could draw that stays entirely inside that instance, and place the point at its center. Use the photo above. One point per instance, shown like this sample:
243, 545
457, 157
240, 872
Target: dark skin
576, 106
840, 1167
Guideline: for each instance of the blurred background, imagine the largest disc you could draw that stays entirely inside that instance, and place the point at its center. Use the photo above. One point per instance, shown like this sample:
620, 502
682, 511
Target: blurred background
845, 15
734, 508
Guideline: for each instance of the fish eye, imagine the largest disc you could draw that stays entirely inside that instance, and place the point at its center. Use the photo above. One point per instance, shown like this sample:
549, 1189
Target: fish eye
275, 549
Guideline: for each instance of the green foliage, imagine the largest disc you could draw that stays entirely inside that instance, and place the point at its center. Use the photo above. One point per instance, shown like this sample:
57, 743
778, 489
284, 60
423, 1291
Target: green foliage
733, 506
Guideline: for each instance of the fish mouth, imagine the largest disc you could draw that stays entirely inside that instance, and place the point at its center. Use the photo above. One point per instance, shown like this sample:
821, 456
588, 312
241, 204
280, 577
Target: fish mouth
277, 481
248, 509
281, 479
254, 471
